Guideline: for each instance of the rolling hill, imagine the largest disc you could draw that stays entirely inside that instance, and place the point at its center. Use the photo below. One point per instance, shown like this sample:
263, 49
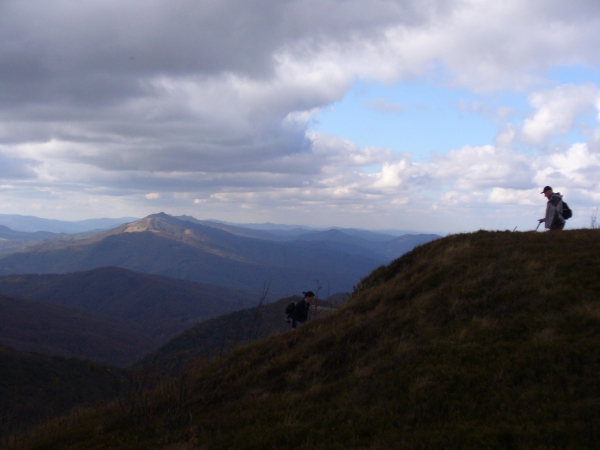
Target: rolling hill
159, 306
482, 340
12, 235
12, 241
163, 245
29, 326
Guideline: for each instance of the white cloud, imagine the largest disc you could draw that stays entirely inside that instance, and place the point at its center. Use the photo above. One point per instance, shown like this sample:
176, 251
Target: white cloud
152, 195
483, 167
556, 110
391, 175
529, 197
505, 136
577, 168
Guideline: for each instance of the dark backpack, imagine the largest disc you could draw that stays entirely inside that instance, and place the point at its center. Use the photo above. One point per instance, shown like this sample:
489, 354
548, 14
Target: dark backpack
567, 213
289, 310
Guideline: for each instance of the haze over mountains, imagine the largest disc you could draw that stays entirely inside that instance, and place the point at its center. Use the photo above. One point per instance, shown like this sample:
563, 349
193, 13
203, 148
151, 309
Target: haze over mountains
8, 234
32, 224
12, 241
18, 232
164, 245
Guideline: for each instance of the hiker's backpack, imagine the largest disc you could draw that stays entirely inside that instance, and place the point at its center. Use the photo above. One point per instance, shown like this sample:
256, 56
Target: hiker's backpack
289, 310
567, 213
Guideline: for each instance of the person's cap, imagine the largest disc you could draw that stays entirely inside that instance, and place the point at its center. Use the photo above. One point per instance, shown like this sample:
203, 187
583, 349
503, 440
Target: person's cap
309, 294
547, 188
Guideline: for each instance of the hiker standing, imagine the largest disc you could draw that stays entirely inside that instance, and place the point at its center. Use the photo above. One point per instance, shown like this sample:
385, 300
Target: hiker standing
300, 314
554, 210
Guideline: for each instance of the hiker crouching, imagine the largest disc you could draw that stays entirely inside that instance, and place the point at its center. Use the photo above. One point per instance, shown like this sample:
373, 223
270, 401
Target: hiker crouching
300, 314
554, 210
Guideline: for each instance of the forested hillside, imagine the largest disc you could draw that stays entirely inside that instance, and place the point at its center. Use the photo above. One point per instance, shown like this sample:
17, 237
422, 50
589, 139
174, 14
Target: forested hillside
29, 326
160, 306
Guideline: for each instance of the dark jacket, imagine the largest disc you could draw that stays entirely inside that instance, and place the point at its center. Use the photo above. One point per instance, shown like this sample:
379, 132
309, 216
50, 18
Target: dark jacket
300, 314
554, 208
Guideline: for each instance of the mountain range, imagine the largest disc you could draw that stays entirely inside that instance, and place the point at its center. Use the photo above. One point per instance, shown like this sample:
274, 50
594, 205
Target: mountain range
12, 241
31, 224
7, 234
164, 245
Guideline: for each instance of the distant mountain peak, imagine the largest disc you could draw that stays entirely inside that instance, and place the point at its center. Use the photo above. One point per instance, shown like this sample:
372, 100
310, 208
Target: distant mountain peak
157, 223
196, 235
145, 224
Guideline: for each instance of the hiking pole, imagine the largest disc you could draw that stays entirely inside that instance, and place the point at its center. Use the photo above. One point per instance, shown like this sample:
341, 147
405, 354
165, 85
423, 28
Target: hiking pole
539, 223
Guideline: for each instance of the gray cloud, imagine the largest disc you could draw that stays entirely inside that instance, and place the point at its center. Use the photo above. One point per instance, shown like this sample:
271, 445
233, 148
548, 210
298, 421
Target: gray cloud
41, 41
214, 97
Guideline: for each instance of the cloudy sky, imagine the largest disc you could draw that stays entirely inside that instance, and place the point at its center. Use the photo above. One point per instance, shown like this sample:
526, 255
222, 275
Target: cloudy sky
436, 115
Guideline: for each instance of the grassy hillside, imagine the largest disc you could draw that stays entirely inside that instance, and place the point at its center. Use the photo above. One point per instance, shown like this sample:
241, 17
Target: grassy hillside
29, 326
33, 387
218, 336
163, 307
484, 340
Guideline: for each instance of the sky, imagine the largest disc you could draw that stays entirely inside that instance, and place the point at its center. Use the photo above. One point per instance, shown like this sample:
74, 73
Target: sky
429, 115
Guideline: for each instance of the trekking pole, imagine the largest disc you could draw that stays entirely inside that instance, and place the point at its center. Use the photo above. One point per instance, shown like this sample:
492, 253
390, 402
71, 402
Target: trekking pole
539, 223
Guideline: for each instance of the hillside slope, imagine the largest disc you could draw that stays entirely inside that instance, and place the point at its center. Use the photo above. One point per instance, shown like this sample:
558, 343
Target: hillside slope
218, 336
12, 241
28, 326
161, 306
484, 340
9, 234
33, 387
